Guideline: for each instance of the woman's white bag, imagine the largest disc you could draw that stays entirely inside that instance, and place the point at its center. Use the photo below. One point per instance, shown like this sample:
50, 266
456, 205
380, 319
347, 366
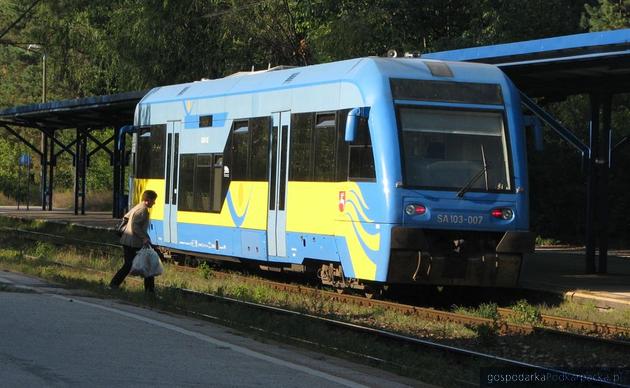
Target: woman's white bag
146, 263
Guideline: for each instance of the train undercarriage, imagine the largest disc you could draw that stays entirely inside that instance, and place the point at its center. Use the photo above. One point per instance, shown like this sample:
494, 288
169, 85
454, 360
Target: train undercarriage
422, 257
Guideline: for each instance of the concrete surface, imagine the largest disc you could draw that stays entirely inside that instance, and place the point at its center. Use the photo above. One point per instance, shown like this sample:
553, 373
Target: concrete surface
51, 337
563, 272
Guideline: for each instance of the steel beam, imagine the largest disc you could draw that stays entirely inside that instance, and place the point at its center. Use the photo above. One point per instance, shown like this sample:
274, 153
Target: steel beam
80, 170
117, 165
44, 169
591, 186
555, 125
99, 145
51, 170
603, 163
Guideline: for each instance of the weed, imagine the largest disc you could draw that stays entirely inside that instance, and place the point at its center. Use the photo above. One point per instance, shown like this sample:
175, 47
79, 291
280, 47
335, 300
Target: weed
316, 305
261, 294
379, 311
485, 310
524, 313
179, 283
488, 310
220, 291
542, 241
242, 292
487, 334
43, 250
204, 270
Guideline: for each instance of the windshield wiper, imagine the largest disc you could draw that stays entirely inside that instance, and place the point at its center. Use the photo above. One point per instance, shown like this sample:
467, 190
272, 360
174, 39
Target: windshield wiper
483, 171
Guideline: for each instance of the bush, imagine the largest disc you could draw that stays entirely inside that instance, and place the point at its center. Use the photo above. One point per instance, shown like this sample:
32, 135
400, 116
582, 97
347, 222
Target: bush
525, 313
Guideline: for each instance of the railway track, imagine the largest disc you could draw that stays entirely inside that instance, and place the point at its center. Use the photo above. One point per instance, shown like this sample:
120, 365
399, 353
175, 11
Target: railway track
548, 324
475, 357
497, 361
418, 343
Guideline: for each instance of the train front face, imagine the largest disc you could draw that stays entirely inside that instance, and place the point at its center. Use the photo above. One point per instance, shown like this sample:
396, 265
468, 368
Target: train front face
464, 194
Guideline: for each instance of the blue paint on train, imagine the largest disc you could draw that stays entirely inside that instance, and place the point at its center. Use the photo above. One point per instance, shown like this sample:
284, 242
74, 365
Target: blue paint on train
478, 193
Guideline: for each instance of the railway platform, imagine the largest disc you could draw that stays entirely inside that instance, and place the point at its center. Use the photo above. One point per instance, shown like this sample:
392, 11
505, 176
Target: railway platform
563, 271
57, 337
552, 270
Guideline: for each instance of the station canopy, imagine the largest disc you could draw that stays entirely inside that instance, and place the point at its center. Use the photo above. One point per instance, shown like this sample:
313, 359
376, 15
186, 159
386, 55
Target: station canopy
114, 110
559, 66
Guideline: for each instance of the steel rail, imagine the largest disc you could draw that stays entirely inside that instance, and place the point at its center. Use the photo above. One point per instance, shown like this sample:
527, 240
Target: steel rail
563, 323
403, 338
372, 331
550, 324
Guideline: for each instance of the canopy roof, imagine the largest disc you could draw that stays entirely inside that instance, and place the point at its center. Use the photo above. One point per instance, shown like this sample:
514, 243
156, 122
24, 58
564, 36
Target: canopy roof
113, 110
560, 66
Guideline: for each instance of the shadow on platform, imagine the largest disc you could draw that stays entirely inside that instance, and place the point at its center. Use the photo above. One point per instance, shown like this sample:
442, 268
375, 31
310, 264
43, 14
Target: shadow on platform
564, 272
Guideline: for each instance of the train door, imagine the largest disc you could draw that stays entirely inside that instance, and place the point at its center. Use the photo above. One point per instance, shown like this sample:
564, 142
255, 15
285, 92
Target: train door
170, 193
278, 176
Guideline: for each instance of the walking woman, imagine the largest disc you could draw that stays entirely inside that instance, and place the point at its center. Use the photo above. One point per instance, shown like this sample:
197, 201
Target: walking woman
134, 237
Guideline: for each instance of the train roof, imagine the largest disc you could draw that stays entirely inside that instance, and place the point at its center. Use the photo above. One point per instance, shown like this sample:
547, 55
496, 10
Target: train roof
363, 72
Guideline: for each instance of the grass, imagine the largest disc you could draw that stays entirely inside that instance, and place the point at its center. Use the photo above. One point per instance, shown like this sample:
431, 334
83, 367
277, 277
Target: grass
524, 313
546, 242
203, 279
259, 324
588, 311
485, 310
94, 201
99, 265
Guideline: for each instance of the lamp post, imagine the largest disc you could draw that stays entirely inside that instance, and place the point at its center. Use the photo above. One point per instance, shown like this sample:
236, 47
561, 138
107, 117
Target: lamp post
36, 48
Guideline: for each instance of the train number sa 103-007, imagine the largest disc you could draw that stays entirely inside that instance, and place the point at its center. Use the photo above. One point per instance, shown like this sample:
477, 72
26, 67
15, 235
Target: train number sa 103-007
459, 219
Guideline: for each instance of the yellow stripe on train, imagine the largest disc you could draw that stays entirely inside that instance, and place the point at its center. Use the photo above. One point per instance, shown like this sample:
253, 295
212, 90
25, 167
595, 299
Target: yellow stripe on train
311, 208
315, 208
157, 185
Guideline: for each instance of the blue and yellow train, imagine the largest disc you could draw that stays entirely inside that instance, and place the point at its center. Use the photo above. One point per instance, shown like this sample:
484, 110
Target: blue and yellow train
368, 171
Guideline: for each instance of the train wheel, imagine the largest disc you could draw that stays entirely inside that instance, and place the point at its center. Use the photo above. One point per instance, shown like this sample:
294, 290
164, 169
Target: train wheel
374, 292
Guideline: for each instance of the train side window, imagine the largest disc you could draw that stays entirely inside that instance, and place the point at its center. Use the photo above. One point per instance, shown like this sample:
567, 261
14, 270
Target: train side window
150, 152
300, 168
342, 146
361, 158
217, 184
240, 150
260, 148
324, 144
203, 183
186, 182
205, 121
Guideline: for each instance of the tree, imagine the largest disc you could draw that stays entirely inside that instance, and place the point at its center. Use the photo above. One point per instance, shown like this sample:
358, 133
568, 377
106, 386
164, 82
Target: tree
607, 15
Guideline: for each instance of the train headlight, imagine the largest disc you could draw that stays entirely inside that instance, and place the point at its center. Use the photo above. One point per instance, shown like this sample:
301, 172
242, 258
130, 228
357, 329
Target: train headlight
503, 213
414, 209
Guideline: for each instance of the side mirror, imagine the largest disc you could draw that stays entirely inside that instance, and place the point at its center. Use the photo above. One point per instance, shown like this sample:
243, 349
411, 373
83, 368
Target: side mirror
535, 124
352, 122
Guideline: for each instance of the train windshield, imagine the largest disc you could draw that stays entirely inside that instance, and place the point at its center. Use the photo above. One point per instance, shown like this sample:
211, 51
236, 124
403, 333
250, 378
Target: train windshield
454, 149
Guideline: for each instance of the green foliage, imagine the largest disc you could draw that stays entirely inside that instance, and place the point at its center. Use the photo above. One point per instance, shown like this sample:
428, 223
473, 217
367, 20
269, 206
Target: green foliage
242, 292
488, 310
44, 251
541, 241
487, 334
105, 47
525, 313
607, 15
204, 270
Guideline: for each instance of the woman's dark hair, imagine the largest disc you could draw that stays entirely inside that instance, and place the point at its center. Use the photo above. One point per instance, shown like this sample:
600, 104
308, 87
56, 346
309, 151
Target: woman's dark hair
149, 195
